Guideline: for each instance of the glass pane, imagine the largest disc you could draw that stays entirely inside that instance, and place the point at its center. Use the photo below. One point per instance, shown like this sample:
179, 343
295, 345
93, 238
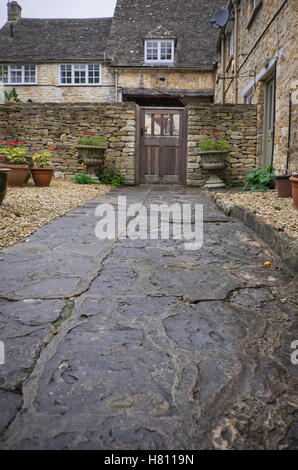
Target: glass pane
157, 122
166, 50
16, 74
171, 124
152, 50
93, 74
148, 124
65, 74
30, 73
4, 73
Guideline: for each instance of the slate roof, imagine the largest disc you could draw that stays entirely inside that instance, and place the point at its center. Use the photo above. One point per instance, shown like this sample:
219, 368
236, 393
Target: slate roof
43, 40
188, 21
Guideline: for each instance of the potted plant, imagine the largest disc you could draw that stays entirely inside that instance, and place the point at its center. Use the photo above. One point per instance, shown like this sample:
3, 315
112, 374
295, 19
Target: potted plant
283, 185
213, 151
3, 182
13, 157
91, 149
294, 182
42, 172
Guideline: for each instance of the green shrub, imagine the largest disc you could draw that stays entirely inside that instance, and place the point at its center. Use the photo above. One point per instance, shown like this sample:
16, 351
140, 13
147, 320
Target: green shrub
84, 179
15, 155
12, 96
260, 180
113, 177
94, 140
42, 160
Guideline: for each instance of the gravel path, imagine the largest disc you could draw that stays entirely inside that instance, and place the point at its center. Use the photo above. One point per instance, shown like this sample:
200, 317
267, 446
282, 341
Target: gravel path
271, 209
26, 209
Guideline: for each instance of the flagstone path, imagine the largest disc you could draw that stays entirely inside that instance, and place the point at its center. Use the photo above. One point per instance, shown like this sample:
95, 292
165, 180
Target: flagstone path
140, 344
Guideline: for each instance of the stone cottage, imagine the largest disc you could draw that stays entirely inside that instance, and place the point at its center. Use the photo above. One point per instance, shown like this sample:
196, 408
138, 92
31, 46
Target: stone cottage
156, 52
259, 56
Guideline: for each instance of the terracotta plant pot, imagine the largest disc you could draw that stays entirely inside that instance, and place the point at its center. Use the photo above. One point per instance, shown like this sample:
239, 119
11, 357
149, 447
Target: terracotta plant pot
283, 186
3, 182
17, 175
42, 176
294, 181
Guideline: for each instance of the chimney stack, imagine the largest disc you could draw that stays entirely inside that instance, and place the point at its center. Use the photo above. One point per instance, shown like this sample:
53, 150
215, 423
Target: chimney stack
14, 11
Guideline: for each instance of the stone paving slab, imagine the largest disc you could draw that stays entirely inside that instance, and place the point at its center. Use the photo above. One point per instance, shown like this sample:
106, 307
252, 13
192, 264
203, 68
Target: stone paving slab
140, 344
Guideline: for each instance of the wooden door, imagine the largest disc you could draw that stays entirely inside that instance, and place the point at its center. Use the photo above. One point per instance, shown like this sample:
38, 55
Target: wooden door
162, 145
269, 107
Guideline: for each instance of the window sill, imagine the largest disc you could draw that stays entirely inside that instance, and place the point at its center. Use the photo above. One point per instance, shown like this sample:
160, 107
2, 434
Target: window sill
254, 14
20, 84
78, 85
158, 64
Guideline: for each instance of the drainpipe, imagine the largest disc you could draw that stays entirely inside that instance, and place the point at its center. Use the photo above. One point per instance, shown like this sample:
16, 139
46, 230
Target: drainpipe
2, 92
223, 94
116, 85
236, 2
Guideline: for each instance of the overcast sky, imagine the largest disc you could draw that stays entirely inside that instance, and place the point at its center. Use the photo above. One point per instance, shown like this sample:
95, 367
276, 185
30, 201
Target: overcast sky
61, 9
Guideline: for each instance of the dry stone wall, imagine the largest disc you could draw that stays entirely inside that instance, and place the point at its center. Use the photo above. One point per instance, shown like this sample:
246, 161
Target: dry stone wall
61, 126
43, 125
235, 123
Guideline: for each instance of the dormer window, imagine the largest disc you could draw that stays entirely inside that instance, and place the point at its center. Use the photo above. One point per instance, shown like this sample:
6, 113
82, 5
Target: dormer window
159, 52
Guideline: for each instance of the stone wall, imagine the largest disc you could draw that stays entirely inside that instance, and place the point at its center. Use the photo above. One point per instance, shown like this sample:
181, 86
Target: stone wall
48, 89
269, 35
235, 123
42, 125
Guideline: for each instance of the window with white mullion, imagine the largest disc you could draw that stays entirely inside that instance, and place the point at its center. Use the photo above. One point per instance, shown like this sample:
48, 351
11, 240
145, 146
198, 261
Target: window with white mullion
94, 74
159, 51
29, 74
66, 74
80, 74
18, 74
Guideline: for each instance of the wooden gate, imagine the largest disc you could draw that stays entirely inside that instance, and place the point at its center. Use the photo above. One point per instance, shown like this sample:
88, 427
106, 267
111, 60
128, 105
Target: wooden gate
163, 145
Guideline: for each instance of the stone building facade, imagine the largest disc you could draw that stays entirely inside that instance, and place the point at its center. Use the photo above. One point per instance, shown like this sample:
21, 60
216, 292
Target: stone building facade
160, 52
259, 56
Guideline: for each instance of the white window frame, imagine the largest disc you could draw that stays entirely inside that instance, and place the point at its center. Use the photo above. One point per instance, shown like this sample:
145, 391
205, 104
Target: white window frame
22, 70
73, 66
159, 61
249, 98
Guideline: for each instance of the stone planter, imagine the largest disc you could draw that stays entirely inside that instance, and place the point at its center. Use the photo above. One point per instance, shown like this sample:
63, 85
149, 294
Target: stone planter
42, 176
212, 161
3, 182
17, 175
93, 157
